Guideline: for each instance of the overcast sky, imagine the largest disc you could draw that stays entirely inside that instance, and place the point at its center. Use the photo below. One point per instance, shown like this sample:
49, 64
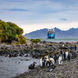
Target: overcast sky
37, 14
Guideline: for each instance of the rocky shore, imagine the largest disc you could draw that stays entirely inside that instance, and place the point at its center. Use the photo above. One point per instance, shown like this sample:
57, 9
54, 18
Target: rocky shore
69, 69
36, 50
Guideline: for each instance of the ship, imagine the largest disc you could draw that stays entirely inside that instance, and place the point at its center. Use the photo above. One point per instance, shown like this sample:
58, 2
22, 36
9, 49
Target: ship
51, 34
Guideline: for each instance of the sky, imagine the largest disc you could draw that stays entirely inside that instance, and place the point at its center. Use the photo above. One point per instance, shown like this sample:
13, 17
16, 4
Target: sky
33, 15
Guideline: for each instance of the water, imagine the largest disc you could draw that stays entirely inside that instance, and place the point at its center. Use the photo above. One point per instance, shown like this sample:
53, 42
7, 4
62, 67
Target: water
60, 40
10, 67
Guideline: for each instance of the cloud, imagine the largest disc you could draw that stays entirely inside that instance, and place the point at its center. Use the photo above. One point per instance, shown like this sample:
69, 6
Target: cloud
15, 0
17, 9
40, 12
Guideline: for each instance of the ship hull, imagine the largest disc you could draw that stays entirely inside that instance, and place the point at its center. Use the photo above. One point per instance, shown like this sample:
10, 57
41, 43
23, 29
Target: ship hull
51, 36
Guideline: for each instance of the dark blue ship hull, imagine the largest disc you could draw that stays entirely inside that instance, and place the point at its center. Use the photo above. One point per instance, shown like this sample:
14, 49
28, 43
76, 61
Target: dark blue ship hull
51, 36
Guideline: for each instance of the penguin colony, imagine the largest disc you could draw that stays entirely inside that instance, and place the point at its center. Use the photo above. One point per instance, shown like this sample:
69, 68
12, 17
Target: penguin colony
59, 58
50, 62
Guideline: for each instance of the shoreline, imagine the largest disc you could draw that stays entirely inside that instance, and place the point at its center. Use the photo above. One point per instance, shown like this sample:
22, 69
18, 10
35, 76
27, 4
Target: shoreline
66, 70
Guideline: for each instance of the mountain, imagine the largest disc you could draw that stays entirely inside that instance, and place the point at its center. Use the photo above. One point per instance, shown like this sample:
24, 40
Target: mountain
42, 33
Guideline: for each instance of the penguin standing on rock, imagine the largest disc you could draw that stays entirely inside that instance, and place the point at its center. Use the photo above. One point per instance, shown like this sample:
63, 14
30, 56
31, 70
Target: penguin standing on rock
43, 61
52, 61
66, 54
48, 62
40, 61
69, 56
60, 60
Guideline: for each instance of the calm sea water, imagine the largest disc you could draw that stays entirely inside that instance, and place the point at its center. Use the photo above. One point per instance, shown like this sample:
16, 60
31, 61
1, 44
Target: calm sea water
10, 67
60, 40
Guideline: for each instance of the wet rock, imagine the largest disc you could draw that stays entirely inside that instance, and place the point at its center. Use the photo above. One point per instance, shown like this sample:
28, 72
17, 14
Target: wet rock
32, 66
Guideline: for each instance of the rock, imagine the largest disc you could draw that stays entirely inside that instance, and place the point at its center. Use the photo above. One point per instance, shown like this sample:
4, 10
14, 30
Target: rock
32, 66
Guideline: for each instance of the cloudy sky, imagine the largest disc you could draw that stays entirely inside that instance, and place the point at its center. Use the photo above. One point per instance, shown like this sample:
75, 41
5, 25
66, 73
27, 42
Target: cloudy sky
37, 14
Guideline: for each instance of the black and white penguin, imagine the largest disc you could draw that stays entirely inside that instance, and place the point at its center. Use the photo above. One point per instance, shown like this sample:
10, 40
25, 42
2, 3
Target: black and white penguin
52, 61
69, 56
60, 60
64, 56
66, 53
43, 62
40, 61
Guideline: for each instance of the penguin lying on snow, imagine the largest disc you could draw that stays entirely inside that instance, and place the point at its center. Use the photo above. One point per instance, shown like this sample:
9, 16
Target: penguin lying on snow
32, 66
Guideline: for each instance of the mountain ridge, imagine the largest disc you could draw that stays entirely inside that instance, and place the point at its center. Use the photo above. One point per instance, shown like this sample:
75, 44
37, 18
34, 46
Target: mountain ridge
42, 33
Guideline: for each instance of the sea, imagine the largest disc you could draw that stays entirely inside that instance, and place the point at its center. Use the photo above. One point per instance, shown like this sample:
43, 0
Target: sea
61, 40
11, 67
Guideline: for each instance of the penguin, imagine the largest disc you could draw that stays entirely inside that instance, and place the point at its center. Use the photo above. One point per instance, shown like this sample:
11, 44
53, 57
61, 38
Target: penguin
52, 61
60, 60
40, 61
43, 62
69, 57
66, 53
46, 56
64, 56
48, 62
